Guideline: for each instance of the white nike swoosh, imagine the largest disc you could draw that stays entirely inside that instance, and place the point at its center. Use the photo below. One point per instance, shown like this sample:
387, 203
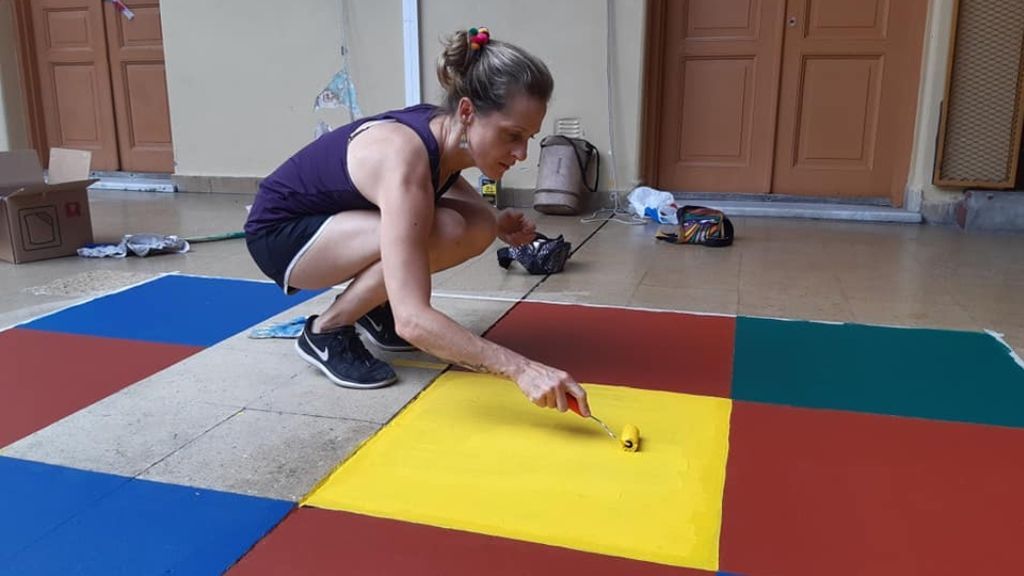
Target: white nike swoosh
377, 327
323, 354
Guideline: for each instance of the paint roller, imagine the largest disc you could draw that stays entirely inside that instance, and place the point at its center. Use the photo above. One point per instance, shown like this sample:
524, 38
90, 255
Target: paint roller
630, 437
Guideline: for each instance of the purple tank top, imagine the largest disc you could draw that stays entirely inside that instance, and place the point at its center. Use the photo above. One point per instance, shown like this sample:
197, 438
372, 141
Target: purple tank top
316, 181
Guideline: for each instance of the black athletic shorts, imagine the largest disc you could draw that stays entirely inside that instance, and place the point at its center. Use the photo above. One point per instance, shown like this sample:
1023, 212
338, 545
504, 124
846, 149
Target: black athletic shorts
277, 248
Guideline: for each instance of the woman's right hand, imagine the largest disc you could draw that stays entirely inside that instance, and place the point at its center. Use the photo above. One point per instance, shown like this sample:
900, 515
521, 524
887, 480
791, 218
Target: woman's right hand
547, 387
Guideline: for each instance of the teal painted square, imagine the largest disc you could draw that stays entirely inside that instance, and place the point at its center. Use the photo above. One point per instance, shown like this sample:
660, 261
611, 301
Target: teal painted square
923, 373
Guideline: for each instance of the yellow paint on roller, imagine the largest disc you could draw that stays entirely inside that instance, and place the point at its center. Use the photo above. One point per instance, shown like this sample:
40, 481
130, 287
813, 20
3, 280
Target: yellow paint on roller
630, 438
471, 453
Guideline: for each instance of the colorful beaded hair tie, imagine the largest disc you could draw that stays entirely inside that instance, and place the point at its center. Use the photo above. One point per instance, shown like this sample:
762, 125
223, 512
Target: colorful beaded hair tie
478, 37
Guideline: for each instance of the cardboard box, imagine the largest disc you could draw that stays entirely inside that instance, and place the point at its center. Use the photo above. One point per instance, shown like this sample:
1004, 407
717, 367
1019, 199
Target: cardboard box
38, 219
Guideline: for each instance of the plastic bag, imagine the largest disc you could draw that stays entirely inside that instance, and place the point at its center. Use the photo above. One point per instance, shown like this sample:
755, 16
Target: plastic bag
141, 245
542, 256
289, 329
657, 205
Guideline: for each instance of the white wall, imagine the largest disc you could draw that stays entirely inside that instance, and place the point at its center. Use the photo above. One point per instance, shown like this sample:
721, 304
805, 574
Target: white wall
929, 110
242, 76
571, 36
629, 35
13, 131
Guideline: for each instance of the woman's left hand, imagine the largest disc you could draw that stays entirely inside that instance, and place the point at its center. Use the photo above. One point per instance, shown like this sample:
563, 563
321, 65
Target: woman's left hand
514, 228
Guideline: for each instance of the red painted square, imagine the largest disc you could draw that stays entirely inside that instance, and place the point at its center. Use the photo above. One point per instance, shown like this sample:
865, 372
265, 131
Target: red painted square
811, 492
655, 350
45, 376
311, 541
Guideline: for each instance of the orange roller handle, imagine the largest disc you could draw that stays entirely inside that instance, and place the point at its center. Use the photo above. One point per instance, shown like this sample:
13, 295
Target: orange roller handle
573, 404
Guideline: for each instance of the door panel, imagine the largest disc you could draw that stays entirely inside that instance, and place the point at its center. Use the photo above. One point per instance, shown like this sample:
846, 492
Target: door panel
838, 116
716, 132
74, 78
848, 97
140, 88
719, 98
76, 100
863, 19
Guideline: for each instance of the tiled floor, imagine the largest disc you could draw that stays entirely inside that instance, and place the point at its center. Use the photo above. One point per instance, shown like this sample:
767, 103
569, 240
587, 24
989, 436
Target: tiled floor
236, 417
912, 275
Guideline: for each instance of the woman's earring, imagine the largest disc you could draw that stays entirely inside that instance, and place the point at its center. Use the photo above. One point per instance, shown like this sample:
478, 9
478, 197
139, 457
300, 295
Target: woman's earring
464, 141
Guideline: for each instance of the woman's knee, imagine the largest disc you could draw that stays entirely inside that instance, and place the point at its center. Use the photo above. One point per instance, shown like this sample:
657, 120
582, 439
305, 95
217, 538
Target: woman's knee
482, 230
469, 232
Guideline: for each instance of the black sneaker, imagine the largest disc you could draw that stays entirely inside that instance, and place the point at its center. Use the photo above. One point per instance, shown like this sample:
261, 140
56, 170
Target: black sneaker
379, 325
341, 356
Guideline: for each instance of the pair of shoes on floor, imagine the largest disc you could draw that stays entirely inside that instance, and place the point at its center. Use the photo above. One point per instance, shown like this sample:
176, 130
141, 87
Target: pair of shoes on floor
341, 355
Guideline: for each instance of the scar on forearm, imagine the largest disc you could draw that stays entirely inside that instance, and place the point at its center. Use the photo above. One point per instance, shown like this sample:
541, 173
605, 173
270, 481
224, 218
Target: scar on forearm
474, 367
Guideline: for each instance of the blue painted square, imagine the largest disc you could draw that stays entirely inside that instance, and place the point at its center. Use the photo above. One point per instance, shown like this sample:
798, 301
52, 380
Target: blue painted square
142, 527
35, 498
175, 309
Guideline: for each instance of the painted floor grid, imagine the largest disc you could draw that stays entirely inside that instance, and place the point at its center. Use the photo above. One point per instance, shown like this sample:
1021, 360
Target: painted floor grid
770, 447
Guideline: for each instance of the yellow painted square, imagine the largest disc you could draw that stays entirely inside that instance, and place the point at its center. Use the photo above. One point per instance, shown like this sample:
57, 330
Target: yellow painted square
473, 454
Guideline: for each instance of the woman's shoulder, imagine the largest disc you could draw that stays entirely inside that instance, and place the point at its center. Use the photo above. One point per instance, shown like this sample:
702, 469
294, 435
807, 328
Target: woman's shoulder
415, 114
388, 148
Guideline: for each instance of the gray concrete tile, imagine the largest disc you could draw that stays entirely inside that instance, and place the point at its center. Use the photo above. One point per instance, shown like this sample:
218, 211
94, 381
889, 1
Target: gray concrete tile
308, 392
483, 277
612, 291
1015, 340
91, 283
227, 375
914, 313
606, 270
826, 308
21, 308
266, 454
716, 301
312, 394
692, 268
122, 434
475, 314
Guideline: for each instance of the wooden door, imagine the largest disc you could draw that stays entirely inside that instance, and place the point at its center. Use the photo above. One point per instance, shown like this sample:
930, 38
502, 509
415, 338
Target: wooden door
848, 97
140, 88
720, 90
74, 79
